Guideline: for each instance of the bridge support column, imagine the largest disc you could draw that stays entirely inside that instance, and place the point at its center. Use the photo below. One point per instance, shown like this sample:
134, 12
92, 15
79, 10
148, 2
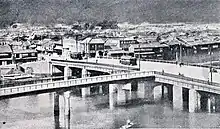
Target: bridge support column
100, 89
142, 90
211, 103
121, 94
67, 72
112, 100
162, 90
67, 109
85, 91
146, 90
194, 100
177, 97
84, 73
56, 111
50, 68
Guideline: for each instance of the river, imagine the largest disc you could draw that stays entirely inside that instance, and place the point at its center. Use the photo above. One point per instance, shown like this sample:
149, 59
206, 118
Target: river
36, 112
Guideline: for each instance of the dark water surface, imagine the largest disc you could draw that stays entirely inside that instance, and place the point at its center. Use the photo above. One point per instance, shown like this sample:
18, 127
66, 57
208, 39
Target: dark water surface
36, 112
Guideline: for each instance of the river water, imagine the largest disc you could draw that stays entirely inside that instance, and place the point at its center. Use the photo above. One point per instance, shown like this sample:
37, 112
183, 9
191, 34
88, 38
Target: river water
36, 112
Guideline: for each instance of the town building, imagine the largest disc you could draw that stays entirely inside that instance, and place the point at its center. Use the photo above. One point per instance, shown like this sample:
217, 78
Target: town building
21, 55
93, 46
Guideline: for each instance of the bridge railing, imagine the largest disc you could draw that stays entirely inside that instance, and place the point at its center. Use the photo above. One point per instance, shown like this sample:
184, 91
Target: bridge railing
12, 83
73, 82
93, 80
171, 62
174, 62
187, 78
96, 64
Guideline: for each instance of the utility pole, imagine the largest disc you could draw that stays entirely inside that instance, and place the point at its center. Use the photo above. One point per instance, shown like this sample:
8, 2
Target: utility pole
210, 53
12, 54
139, 56
181, 53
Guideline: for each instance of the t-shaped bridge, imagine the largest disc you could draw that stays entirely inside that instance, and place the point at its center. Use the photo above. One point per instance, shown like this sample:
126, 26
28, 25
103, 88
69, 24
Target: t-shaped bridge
178, 82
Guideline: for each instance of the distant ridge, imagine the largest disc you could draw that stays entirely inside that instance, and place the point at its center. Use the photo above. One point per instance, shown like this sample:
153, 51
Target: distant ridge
135, 11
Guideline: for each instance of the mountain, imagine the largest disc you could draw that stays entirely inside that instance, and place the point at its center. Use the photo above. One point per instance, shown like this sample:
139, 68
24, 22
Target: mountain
135, 11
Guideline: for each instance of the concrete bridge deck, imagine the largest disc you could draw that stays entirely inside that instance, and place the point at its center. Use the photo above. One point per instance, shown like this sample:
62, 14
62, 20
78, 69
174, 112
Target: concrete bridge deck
83, 82
190, 70
103, 67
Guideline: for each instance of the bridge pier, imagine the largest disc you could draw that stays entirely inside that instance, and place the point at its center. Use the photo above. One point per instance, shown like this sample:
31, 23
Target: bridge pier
194, 100
85, 73
85, 91
51, 68
146, 90
67, 72
56, 111
177, 97
121, 93
112, 100
62, 117
100, 89
67, 109
211, 103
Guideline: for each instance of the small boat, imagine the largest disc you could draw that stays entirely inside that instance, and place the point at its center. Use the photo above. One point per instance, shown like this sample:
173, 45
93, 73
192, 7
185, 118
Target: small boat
128, 125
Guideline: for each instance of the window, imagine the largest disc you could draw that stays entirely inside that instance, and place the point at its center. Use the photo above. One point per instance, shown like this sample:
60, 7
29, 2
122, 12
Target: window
100, 47
25, 55
17, 55
33, 54
215, 46
92, 47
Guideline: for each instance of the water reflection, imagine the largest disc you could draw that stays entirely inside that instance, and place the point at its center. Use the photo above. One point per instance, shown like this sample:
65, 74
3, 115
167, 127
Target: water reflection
99, 111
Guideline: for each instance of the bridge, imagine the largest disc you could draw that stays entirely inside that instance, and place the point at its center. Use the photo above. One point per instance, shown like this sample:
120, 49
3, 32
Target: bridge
186, 87
173, 83
108, 68
190, 70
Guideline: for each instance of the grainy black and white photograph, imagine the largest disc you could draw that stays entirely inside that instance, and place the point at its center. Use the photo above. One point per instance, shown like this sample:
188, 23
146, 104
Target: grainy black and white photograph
109, 64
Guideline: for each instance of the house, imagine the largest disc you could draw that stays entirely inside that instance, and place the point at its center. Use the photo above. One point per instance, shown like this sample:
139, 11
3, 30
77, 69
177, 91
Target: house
93, 46
188, 49
48, 46
112, 48
21, 55
126, 42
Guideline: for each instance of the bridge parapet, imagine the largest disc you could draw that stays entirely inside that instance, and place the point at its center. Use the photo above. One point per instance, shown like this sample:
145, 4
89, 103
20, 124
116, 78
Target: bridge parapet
159, 77
93, 66
73, 82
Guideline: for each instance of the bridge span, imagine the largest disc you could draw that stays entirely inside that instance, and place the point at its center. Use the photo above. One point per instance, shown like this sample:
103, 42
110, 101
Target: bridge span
190, 70
173, 84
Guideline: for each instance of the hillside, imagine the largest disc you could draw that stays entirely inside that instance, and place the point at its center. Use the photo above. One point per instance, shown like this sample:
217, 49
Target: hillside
69, 11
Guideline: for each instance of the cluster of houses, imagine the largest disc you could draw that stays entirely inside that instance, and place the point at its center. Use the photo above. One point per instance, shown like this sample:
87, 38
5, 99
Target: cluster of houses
188, 46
